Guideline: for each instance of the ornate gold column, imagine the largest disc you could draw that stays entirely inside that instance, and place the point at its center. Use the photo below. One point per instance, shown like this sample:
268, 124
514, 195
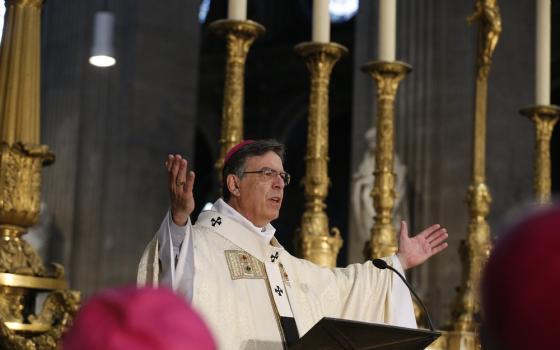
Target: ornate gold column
387, 75
475, 250
19, 72
22, 274
318, 244
545, 118
239, 36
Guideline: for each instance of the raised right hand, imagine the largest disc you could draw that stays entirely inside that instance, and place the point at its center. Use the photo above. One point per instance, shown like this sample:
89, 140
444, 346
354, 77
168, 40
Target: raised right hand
181, 182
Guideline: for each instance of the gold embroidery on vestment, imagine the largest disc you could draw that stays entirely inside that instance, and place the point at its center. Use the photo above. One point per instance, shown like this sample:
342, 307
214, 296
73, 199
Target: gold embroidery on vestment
243, 265
284, 274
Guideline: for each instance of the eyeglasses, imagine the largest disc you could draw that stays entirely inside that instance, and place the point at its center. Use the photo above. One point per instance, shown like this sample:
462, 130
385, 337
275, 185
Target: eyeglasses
270, 174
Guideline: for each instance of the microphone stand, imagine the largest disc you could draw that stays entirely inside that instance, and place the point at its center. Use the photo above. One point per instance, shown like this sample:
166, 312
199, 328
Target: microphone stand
382, 265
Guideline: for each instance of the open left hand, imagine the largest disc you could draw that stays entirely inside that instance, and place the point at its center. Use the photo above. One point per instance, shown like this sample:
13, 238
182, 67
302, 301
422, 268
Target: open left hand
413, 251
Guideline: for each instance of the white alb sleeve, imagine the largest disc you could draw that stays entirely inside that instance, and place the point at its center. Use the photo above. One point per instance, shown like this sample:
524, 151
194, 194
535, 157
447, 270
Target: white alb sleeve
171, 238
401, 301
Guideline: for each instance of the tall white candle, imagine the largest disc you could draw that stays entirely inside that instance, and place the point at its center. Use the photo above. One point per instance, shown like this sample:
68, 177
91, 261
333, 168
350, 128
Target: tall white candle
237, 9
387, 33
542, 57
321, 28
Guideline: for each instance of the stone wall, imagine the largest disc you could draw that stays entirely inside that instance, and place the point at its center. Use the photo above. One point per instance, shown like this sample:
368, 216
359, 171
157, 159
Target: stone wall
112, 128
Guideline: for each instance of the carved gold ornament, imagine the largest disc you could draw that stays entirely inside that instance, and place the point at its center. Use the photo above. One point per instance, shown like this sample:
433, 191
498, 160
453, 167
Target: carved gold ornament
544, 118
239, 36
319, 244
24, 279
475, 249
387, 76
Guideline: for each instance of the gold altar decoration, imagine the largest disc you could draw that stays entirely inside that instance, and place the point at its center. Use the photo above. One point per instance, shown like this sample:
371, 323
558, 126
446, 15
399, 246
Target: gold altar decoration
24, 322
318, 244
239, 36
19, 71
475, 250
545, 118
387, 75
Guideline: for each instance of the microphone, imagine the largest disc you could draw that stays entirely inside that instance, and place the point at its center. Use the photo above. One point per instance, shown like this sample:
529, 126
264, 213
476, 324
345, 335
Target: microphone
382, 265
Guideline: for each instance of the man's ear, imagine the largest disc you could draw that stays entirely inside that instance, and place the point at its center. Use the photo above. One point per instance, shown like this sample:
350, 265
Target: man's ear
232, 184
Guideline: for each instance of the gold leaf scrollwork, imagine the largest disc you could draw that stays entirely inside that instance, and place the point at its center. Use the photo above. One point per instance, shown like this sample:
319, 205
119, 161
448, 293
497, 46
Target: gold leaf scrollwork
387, 76
544, 118
239, 36
22, 274
543, 183
16, 256
475, 249
20, 181
11, 304
58, 311
474, 252
478, 200
317, 243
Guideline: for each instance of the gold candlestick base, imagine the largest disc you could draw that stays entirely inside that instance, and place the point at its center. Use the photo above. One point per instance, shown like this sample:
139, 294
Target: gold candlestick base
23, 276
318, 244
239, 36
545, 118
387, 75
22, 273
462, 331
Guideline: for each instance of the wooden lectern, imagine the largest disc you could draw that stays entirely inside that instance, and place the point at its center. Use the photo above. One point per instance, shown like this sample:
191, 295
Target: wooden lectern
335, 334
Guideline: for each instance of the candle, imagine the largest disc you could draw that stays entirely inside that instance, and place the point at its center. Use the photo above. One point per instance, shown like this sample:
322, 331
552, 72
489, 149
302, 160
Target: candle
542, 57
387, 33
321, 29
237, 10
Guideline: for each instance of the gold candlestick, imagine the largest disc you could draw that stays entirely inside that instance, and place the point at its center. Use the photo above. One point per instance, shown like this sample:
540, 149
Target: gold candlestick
318, 244
239, 36
387, 75
475, 250
19, 116
22, 273
545, 118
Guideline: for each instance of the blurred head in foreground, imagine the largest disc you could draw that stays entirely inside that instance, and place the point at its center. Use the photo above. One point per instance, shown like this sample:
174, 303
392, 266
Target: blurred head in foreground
521, 284
137, 319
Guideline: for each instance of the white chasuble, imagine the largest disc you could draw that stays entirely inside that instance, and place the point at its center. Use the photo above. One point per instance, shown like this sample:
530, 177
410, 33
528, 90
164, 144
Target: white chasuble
242, 286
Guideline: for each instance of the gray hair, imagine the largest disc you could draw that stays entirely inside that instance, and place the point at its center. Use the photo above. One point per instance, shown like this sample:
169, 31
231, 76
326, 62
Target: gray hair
236, 163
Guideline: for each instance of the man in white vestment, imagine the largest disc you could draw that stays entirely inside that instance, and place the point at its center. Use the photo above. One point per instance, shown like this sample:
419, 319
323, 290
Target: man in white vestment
252, 293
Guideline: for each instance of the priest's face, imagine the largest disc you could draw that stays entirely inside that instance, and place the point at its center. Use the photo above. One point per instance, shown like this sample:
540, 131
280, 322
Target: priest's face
258, 194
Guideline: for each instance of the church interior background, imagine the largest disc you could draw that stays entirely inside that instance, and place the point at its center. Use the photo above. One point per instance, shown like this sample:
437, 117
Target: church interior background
111, 128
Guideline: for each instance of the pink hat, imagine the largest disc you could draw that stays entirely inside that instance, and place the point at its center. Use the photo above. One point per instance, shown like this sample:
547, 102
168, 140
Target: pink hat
137, 319
236, 148
521, 284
